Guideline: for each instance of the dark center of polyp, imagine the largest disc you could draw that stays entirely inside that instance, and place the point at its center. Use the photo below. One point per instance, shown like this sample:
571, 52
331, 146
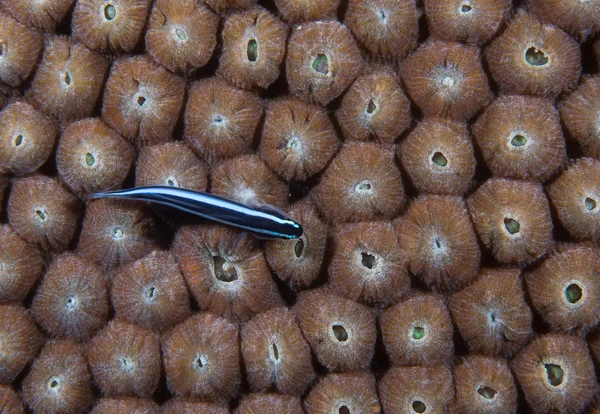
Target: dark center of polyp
344, 410
151, 293
41, 214
299, 248
275, 352
573, 293
125, 363
419, 407
199, 363
364, 186
487, 392
110, 12
439, 159
466, 8
321, 64
18, 140
340, 333
2, 48
117, 234
141, 100
53, 383
418, 332
181, 34
224, 271
71, 304
293, 142
536, 57
371, 107
252, 50
89, 159
368, 260
518, 140
67, 78
590, 203
512, 226
555, 374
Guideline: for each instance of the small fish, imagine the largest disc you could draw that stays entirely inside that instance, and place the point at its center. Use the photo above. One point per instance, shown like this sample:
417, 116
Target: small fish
264, 221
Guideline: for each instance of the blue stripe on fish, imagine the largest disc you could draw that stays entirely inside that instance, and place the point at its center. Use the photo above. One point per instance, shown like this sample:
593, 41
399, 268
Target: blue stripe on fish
263, 221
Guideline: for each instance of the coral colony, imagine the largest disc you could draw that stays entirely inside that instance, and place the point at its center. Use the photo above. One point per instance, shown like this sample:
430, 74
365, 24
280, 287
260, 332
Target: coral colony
441, 156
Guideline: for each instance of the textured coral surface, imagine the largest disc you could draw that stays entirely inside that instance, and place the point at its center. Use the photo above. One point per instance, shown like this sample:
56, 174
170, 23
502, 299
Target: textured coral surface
443, 157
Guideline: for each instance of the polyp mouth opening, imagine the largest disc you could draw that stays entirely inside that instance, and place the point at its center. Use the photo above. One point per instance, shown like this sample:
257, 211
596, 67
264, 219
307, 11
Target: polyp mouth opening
536, 57
321, 64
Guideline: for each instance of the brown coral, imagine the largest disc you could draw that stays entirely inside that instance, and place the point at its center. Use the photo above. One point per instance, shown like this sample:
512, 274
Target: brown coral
446, 79
361, 183
225, 272
531, 57
322, 61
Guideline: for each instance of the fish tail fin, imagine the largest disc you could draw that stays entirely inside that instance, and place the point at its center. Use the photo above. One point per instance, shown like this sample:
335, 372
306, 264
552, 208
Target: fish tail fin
121, 194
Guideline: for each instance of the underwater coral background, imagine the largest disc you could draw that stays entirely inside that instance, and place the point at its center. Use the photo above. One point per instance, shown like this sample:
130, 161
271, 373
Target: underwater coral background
442, 157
